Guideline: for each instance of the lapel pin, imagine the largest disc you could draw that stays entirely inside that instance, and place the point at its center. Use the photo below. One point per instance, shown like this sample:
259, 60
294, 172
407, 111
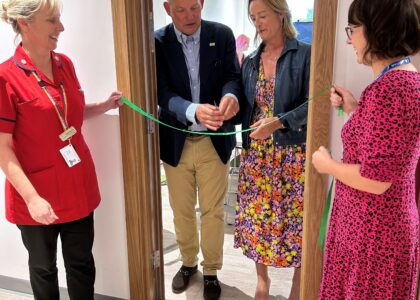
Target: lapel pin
212, 44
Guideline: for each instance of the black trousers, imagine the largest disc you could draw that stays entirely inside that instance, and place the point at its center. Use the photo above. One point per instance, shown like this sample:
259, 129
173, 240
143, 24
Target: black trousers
77, 241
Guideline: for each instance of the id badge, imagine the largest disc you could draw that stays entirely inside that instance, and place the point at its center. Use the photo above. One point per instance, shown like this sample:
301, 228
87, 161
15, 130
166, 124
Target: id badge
70, 155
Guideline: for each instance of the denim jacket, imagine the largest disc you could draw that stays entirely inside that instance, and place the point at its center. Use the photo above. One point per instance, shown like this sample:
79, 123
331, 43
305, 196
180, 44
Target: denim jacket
290, 92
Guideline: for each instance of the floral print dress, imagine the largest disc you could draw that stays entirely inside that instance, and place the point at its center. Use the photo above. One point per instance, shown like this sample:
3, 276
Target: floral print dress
269, 211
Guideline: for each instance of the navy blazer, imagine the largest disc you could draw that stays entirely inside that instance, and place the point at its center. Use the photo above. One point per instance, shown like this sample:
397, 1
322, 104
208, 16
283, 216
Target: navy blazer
219, 75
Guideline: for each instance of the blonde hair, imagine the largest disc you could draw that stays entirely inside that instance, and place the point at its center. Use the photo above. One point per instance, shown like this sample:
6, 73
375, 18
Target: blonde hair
11, 10
281, 7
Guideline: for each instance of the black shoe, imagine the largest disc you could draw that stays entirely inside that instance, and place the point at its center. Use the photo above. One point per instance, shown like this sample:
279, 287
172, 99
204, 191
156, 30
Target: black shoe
182, 278
212, 288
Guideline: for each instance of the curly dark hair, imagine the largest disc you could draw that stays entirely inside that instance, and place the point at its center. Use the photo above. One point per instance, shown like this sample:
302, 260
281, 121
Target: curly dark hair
391, 27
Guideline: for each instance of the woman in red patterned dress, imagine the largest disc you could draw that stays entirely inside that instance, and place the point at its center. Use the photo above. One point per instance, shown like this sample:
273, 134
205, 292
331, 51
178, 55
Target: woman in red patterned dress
372, 245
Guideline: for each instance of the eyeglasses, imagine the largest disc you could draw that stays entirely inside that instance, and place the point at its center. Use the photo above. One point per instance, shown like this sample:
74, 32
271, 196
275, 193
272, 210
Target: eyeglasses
349, 30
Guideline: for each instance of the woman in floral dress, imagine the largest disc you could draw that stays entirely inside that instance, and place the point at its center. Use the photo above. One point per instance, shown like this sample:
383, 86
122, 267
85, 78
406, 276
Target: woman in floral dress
372, 246
268, 224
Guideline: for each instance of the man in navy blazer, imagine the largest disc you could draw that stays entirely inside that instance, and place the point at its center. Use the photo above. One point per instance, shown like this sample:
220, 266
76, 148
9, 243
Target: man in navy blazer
198, 80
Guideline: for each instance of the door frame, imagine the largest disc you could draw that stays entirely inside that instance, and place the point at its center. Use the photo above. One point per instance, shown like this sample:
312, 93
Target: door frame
322, 66
136, 78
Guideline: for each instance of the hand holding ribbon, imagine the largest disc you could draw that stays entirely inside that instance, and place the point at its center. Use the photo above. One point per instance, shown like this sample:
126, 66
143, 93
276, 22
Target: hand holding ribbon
342, 99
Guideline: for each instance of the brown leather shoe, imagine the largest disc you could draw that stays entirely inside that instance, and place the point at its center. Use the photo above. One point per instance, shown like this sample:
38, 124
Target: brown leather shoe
182, 279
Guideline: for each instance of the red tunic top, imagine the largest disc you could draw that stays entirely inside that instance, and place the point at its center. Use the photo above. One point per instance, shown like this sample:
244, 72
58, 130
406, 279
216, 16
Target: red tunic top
27, 113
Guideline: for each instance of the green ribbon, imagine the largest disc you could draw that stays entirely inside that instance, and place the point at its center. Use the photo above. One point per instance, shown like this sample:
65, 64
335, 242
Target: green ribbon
147, 115
324, 221
328, 201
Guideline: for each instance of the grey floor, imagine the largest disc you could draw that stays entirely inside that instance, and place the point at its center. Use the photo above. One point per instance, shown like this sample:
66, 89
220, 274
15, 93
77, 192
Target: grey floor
9, 295
238, 279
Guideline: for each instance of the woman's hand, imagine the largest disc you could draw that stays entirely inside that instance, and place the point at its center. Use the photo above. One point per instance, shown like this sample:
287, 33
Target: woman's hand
349, 174
113, 100
322, 160
99, 108
41, 211
264, 131
340, 96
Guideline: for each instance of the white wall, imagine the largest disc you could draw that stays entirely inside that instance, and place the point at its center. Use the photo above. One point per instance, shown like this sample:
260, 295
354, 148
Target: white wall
88, 41
233, 13
347, 73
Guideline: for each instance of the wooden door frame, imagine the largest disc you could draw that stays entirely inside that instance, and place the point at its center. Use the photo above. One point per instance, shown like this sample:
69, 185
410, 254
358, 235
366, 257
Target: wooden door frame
136, 78
322, 64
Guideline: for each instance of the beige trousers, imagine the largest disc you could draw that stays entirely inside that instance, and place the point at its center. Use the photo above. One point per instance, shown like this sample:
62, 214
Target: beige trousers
200, 169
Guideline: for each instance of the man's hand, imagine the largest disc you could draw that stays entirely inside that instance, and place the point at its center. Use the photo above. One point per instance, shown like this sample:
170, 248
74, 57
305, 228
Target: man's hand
229, 107
210, 116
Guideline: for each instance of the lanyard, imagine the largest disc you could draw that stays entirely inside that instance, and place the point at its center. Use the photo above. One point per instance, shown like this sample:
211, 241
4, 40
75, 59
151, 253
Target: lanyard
61, 116
404, 61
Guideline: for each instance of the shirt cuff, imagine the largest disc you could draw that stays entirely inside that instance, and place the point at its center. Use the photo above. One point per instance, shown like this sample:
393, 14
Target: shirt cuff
190, 113
232, 95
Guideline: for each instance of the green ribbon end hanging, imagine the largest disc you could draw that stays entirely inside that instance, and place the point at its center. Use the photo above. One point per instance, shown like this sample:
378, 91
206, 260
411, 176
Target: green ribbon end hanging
324, 221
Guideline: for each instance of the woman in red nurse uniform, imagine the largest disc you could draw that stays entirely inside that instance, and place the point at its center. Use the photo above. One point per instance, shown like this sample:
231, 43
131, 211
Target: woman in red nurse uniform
51, 186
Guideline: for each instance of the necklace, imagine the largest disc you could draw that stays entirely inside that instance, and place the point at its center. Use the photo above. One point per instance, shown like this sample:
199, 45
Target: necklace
274, 53
271, 57
274, 59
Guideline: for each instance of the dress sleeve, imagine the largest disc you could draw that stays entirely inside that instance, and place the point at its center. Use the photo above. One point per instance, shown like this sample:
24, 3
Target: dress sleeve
7, 107
383, 141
